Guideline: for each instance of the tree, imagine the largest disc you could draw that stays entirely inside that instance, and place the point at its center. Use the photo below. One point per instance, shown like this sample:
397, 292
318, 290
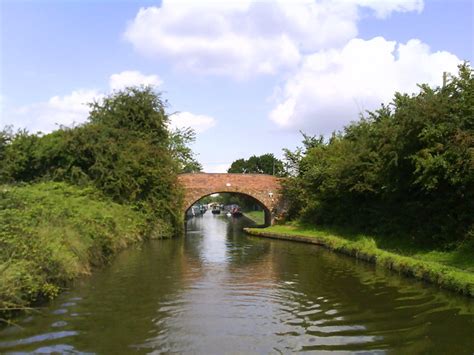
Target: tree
179, 145
263, 164
292, 159
125, 150
136, 109
406, 168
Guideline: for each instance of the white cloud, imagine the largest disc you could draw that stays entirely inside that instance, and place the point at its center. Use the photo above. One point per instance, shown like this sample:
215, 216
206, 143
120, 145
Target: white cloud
333, 86
384, 8
243, 38
72, 108
58, 110
132, 78
199, 123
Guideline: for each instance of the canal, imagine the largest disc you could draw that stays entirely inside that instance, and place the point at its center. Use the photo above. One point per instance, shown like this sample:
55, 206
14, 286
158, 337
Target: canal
220, 291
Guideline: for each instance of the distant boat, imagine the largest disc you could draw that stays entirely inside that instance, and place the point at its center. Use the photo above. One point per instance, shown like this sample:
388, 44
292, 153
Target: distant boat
236, 212
216, 210
195, 211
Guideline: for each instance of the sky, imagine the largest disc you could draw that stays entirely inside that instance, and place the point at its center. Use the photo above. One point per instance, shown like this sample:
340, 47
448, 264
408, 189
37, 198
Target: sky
247, 75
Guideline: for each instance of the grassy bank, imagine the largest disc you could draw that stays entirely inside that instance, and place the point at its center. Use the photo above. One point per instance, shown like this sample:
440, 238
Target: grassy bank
257, 216
51, 233
453, 270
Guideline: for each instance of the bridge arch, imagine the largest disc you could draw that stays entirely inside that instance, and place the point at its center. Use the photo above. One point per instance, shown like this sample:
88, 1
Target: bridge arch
264, 189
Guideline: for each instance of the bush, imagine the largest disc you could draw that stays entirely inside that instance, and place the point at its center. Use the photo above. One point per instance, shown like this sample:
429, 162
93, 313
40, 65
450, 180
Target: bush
51, 233
125, 150
407, 168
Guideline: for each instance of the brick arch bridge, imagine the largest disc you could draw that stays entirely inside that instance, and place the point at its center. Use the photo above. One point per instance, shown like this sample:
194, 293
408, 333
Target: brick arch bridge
265, 189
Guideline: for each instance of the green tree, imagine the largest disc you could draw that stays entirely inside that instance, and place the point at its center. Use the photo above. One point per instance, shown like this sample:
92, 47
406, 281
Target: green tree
179, 145
5, 139
135, 109
263, 164
407, 168
125, 150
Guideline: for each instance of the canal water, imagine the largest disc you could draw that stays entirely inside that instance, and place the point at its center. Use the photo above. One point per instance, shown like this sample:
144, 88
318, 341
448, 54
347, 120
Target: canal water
220, 291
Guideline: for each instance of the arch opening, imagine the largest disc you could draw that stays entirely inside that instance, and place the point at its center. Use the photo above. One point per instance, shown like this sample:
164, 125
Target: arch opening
235, 198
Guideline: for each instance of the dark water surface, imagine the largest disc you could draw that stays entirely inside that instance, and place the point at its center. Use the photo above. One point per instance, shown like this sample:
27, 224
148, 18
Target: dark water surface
219, 291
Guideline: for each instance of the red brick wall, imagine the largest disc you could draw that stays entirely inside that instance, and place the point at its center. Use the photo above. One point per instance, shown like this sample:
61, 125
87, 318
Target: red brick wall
264, 188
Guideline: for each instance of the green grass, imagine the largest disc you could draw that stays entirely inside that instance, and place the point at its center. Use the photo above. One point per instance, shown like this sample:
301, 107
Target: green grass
452, 270
52, 233
257, 216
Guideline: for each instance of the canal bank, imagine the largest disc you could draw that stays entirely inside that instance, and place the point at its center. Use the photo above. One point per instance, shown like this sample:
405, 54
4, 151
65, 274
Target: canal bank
53, 233
258, 217
444, 276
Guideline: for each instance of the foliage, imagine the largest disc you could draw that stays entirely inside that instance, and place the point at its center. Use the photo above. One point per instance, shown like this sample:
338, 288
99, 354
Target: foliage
293, 159
51, 233
294, 187
123, 162
182, 153
125, 150
263, 164
5, 138
407, 168
135, 109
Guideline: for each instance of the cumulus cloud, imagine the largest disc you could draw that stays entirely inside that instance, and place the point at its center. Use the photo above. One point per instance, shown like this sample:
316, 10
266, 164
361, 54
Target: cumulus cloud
242, 38
332, 87
199, 123
384, 8
132, 78
58, 110
74, 109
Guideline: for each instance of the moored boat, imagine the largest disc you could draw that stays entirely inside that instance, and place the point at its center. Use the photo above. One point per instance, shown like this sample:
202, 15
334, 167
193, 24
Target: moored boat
236, 211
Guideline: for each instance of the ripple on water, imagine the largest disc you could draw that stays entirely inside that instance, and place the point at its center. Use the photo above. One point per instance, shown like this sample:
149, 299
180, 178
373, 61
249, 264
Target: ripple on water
59, 324
60, 311
75, 299
310, 312
37, 339
335, 329
59, 349
338, 340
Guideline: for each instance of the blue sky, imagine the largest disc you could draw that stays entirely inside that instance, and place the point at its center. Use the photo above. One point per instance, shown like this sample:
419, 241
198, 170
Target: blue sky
246, 75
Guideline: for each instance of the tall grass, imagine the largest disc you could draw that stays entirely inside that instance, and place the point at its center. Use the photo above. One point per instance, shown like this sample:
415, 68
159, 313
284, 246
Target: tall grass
51, 233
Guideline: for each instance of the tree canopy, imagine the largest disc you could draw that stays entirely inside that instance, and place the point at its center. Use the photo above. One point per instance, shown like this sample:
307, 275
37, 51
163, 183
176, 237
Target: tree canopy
263, 164
406, 168
125, 149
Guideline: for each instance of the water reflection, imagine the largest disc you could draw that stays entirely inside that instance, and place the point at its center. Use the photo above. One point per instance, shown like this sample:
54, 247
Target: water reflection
219, 291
